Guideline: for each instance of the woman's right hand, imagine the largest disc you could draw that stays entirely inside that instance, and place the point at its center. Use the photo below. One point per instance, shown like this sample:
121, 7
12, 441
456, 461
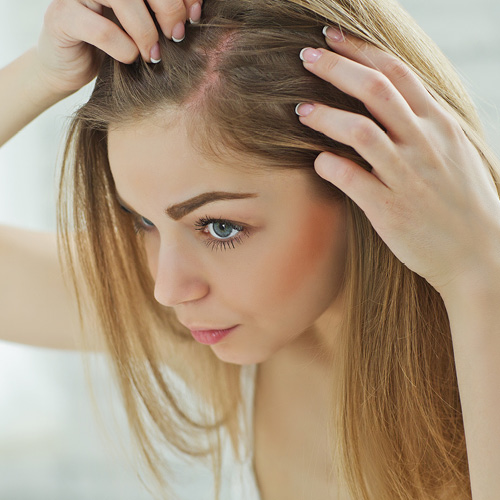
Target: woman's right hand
73, 29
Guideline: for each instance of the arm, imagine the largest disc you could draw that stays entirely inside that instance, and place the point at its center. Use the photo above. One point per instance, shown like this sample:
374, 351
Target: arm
474, 312
431, 199
36, 306
23, 95
64, 59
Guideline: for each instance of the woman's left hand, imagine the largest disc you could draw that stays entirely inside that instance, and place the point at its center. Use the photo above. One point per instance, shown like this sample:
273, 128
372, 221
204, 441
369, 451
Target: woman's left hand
428, 196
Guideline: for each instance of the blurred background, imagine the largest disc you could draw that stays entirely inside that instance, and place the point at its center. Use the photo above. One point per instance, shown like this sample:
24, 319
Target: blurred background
51, 445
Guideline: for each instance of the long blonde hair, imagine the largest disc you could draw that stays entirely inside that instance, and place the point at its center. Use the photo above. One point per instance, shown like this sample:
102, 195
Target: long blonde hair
236, 79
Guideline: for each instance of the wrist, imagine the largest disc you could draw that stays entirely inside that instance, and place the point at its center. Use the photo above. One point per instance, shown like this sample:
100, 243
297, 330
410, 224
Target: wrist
476, 288
477, 279
40, 89
23, 95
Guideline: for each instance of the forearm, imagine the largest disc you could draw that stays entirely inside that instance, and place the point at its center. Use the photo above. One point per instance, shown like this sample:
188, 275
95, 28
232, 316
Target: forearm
474, 313
23, 95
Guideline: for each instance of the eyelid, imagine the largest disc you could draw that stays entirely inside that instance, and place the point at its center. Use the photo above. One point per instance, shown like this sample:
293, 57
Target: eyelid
138, 221
218, 243
205, 221
200, 225
125, 209
135, 215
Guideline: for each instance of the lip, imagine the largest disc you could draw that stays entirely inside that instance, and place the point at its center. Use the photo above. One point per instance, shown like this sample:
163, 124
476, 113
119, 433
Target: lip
195, 328
208, 336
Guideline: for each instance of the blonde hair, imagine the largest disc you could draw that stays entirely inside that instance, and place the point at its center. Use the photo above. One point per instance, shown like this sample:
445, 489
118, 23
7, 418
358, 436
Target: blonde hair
236, 79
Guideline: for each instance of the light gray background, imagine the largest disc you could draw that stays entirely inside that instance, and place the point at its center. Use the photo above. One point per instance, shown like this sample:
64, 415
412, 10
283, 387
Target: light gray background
50, 444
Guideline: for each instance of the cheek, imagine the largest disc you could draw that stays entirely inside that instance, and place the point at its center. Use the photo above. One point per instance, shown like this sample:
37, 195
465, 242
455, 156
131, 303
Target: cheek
307, 258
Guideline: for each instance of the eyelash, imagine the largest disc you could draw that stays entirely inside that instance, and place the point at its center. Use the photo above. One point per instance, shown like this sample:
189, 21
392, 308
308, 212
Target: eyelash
216, 244
201, 224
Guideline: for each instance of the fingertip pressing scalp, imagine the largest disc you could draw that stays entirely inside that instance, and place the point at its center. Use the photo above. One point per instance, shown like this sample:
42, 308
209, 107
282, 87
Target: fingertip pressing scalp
155, 54
334, 34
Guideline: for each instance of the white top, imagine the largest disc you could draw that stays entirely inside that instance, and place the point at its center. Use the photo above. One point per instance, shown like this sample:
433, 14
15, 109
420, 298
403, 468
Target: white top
195, 480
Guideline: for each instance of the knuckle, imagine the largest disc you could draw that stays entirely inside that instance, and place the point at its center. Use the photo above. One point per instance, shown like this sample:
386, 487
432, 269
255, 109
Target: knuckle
376, 85
447, 120
396, 69
57, 5
173, 8
363, 131
102, 36
451, 125
147, 35
55, 11
346, 176
331, 62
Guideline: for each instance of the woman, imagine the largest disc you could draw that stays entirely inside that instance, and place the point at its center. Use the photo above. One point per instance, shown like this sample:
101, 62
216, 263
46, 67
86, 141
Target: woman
364, 297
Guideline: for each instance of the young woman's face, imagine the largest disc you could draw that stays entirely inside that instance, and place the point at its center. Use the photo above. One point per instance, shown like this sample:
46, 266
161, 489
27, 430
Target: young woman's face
269, 261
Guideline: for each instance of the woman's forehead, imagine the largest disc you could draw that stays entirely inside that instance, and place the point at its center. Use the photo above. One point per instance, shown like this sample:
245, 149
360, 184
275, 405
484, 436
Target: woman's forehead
149, 148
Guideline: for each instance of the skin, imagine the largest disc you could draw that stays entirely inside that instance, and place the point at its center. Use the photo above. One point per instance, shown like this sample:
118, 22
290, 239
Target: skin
280, 283
428, 195
432, 201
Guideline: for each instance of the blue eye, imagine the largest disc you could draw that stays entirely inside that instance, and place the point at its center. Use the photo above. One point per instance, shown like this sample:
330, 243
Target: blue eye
146, 222
141, 224
223, 229
224, 234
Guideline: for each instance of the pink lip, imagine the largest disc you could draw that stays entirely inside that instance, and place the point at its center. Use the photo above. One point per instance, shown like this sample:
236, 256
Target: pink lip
210, 337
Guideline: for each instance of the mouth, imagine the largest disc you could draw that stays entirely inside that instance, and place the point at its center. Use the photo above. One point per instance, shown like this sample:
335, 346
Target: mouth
209, 336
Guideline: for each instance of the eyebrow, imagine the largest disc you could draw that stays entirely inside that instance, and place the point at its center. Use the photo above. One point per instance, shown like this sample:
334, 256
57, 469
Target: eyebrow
180, 210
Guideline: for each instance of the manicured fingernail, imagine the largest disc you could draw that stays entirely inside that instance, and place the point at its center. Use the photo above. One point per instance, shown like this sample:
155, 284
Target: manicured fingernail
155, 54
178, 33
195, 13
303, 109
310, 55
333, 34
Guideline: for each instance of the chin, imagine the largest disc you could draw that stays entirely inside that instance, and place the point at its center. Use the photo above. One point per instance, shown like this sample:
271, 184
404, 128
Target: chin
228, 354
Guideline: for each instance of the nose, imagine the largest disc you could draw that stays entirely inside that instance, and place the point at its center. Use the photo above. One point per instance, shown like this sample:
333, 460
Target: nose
178, 278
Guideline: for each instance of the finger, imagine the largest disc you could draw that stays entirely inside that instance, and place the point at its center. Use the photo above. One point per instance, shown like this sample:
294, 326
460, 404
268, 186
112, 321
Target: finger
361, 186
359, 132
194, 9
371, 87
401, 76
138, 23
95, 6
171, 16
86, 25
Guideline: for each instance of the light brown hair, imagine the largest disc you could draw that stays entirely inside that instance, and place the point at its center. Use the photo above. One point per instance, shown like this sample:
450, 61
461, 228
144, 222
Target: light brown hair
236, 79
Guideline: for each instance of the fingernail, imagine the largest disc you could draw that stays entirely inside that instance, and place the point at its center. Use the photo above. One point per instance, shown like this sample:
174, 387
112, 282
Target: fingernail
195, 13
303, 109
333, 34
155, 54
178, 33
309, 55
